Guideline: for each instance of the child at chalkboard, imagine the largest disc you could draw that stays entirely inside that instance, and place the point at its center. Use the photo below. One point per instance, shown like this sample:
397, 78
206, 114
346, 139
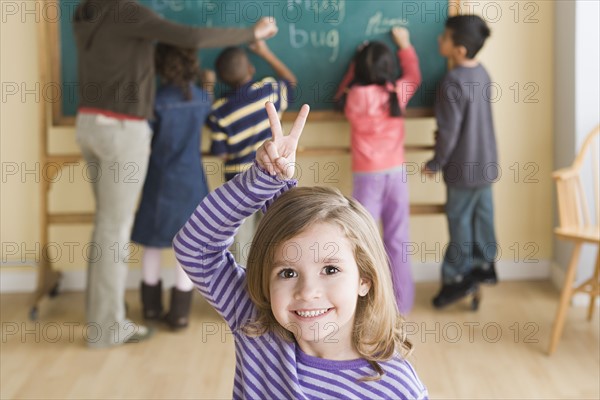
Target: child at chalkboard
175, 181
374, 100
465, 152
238, 121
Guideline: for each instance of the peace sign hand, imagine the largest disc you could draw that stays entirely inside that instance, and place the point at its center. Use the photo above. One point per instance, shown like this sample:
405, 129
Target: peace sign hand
278, 154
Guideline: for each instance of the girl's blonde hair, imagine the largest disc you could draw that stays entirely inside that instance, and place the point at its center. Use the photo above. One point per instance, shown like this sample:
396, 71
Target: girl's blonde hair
378, 331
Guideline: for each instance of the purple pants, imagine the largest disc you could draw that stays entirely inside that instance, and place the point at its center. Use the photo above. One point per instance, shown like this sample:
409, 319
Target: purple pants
385, 196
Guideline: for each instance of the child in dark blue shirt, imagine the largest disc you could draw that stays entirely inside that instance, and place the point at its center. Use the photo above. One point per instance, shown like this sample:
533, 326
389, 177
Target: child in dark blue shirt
175, 182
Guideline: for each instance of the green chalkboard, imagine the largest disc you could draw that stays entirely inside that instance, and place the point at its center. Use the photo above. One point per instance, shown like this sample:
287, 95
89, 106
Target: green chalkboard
316, 39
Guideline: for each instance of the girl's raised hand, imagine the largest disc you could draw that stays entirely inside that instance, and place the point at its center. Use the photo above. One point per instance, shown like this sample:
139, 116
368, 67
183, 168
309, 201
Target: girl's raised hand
401, 37
278, 154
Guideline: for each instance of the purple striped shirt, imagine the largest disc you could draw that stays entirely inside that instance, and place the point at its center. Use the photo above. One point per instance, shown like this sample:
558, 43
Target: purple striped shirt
268, 367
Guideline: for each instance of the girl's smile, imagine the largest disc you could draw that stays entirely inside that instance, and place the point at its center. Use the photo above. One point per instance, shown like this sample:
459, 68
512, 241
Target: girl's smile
312, 314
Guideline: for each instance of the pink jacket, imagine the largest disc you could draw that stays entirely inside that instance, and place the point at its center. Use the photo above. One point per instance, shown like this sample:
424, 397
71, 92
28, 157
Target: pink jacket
377, 137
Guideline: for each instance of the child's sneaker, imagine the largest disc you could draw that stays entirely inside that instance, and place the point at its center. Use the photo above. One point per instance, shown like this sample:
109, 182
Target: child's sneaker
485, 274
449, 293
141, 333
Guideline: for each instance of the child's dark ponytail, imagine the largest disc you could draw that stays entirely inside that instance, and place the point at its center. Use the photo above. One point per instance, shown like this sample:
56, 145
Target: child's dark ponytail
340, 104
395, 110
375, 65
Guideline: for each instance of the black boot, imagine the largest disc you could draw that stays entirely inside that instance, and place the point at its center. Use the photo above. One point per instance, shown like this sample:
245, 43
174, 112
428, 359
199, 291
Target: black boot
451, 292
179, 313
485, 274
152, 306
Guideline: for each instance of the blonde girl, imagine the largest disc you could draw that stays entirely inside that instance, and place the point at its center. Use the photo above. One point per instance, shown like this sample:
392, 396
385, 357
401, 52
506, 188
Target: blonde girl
313, 314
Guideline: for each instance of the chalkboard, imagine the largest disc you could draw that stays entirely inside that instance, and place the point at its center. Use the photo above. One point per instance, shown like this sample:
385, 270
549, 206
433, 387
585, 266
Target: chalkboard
316, 39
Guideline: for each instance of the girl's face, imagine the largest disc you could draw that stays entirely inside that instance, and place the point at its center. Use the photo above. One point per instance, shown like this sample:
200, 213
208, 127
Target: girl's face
314, 289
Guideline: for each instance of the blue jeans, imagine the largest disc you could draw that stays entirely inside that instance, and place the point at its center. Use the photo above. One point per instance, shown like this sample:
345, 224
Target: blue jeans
470, 214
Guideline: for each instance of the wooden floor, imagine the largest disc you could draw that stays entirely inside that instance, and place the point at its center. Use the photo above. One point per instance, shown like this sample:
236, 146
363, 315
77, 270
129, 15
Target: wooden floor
498, 352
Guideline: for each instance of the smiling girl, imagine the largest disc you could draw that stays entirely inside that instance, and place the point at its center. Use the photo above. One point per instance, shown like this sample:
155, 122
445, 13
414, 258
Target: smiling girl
314, 313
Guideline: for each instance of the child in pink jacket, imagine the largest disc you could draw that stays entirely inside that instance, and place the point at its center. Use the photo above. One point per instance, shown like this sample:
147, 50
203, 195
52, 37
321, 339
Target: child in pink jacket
375, 100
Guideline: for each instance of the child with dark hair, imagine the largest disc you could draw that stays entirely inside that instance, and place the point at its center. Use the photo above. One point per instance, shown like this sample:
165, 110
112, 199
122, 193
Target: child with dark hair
175, 182
238, 121
233, 67
465, 152
375, 99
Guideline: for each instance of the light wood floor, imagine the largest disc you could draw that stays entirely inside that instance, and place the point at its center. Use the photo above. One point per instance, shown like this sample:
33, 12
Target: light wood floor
497, 352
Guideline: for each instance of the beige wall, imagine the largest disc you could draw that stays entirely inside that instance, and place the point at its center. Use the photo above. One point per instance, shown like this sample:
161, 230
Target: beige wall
518, 55
19, 135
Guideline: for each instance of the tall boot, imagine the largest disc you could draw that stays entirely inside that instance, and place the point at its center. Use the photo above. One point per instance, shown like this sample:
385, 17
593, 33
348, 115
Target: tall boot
179, 313
152, 306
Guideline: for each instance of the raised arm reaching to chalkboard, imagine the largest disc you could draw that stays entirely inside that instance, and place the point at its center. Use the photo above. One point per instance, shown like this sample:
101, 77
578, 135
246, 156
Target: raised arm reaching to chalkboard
261, 49
115, 45
375, 99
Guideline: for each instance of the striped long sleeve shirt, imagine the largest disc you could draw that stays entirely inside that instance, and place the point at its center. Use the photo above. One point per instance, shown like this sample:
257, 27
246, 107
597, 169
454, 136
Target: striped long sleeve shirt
239, 123
269, 367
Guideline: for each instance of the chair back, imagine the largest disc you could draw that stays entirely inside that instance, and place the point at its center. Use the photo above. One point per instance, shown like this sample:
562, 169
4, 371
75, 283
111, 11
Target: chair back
578, 188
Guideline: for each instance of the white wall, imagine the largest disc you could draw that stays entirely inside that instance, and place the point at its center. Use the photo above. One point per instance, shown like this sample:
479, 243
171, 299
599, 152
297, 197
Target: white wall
587, 68
587, 97
577, 101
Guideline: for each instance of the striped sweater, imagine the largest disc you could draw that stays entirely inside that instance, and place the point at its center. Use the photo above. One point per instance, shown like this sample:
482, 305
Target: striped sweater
268, 367
239, 123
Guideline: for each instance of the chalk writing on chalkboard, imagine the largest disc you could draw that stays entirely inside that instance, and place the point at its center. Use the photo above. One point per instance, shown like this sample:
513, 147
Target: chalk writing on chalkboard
316, 39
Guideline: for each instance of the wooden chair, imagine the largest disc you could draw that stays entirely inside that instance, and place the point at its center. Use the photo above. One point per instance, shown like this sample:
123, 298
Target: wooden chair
578, 224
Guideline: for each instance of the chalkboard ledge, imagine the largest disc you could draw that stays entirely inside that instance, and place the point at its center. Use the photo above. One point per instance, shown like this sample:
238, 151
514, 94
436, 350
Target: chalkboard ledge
289, 116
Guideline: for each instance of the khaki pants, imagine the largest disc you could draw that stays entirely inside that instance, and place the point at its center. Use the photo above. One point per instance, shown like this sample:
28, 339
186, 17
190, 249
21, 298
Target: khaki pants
117, 155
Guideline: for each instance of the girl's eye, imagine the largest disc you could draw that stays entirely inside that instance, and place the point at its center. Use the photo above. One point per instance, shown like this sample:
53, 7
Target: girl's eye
287, 273
331, 270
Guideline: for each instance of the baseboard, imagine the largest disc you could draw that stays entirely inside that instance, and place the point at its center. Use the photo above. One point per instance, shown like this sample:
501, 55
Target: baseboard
24, 278
557, 276
17, 277
508, 271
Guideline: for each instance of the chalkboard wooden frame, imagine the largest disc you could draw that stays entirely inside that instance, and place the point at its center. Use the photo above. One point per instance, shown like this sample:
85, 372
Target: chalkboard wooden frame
60, 119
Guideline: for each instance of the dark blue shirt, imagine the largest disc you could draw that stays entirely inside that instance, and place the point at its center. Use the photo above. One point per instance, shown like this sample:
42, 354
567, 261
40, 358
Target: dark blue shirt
175, 182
